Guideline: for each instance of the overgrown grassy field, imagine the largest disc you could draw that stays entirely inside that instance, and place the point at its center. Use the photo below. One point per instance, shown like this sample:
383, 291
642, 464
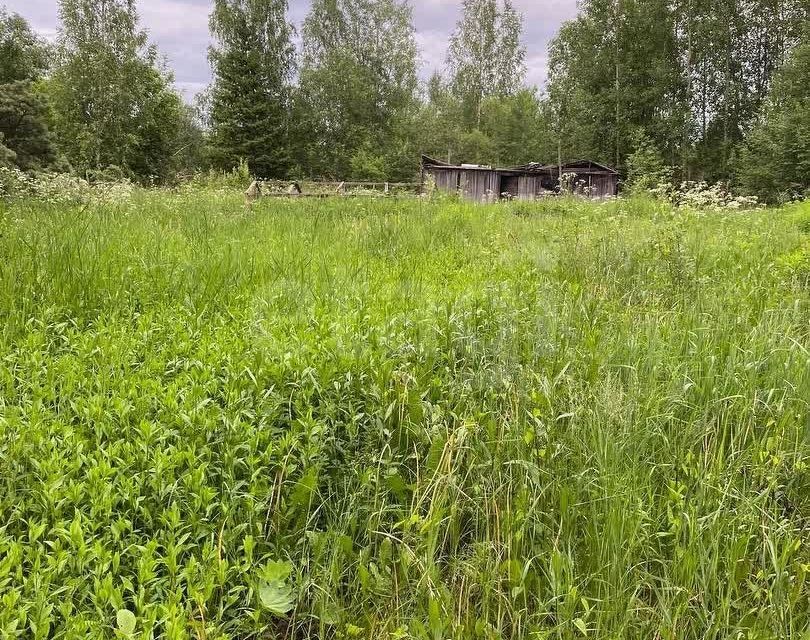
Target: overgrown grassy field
401, 419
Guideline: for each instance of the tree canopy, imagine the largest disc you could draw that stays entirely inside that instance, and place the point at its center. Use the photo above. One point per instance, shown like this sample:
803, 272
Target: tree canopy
486, 57
358, 89
774, 162
685, 89
113, 105
23, 55
25, 141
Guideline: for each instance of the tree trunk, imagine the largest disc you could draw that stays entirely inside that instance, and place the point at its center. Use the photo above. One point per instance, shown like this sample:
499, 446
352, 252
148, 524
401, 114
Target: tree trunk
618, 105
686, 171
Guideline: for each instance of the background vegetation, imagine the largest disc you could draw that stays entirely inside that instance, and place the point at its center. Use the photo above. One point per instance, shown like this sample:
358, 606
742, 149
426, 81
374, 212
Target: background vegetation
405, 418
712, 92
402, 419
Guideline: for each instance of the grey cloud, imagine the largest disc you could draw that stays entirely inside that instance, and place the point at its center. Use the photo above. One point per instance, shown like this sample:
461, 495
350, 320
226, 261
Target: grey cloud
180, 29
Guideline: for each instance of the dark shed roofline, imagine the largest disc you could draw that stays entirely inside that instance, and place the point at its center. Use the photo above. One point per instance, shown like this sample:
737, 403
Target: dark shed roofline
532, 167
577, 164
427, 161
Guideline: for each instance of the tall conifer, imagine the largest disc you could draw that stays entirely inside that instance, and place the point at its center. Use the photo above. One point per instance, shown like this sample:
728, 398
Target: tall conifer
253, 61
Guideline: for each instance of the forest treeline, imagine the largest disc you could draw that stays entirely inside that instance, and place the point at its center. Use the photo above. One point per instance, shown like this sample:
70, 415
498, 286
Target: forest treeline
664, 90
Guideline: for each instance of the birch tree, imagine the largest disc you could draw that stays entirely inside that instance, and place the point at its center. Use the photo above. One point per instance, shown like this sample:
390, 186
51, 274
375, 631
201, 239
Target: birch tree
486, 57
112, 100
358, 88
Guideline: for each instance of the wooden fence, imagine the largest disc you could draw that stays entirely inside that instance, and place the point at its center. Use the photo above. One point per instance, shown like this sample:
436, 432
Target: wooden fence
324, 189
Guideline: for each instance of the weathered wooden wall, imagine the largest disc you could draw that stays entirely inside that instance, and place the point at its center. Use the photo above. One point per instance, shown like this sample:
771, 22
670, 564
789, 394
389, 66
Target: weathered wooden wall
446, 179
527, 189
602, 185
535, 186
609, 186
472, 183
476, 184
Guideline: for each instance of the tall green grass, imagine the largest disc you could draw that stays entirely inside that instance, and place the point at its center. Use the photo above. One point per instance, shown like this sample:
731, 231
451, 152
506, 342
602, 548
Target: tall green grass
401, 419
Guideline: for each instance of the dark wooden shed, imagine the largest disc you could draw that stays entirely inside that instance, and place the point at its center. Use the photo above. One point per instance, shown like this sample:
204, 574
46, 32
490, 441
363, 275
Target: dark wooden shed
483, 183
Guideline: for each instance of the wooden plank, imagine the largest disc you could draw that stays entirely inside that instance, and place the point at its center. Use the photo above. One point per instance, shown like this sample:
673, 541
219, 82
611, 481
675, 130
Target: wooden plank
318, 183
295, 196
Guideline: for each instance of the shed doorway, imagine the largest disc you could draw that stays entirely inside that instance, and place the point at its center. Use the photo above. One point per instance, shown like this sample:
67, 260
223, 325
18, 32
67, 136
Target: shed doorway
509, 185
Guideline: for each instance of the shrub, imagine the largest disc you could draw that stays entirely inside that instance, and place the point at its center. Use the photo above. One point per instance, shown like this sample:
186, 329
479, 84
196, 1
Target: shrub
60, 188
703, 197
14, 183
646, 168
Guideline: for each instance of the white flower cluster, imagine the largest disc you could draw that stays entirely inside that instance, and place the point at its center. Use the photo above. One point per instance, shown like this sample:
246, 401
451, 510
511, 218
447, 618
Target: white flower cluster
61, 188
704, 197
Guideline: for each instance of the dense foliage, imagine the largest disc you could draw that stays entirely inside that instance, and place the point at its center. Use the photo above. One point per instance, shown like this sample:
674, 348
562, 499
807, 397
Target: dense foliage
112, 104
703, 88
23, 56
401, 419
691, 74
23, 128
485, 56
250, 97
358, 90
25, 141
775, 160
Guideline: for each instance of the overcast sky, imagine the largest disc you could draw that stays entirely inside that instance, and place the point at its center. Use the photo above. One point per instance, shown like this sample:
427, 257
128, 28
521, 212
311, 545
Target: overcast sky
180, 29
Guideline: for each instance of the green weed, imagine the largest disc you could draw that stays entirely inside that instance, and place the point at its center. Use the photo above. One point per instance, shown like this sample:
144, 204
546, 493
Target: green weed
402, 419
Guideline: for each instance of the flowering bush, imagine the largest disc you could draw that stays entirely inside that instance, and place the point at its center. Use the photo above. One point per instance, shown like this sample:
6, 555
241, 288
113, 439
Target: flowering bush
120, 191
705, 197
14, 183
568, 182
61, 188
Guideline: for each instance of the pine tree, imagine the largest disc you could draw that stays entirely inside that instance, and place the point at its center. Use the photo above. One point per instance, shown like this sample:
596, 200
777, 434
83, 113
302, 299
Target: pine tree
250, 98
486, 57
